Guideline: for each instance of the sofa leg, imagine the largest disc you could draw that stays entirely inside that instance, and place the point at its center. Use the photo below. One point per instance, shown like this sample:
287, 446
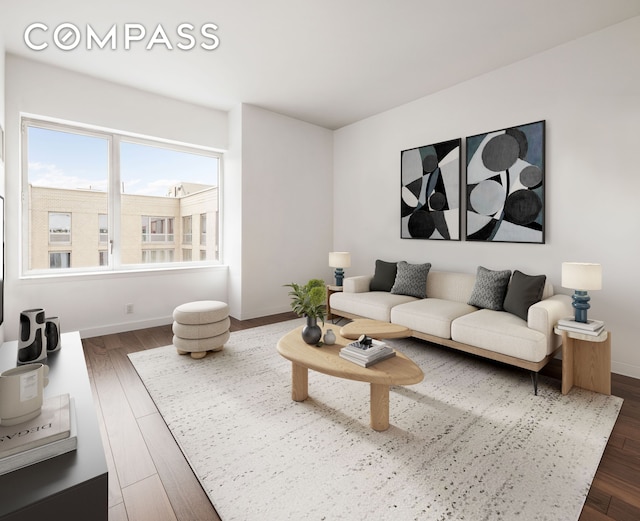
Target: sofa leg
534, 380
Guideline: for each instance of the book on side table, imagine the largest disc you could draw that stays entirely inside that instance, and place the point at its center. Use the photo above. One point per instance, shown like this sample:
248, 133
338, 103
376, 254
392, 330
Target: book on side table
51, 433
590, 327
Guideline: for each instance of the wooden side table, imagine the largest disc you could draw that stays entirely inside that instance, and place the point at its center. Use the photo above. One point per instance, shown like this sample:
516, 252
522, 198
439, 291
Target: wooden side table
331, 289
586, 361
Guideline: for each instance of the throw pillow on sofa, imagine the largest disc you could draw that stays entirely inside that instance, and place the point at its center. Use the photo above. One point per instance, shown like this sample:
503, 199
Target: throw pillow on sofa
489, 289
523, 291
411, 279
384, 276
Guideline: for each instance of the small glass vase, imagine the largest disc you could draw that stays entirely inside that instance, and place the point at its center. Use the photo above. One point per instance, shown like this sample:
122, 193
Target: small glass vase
311, 332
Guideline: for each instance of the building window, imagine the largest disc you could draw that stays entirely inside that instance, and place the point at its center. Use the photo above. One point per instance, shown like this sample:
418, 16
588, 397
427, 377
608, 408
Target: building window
154, 256
186, 254
203, 229
157, 229
59, 228
187, 234
203, 254
103, 228
153, 187
59, 259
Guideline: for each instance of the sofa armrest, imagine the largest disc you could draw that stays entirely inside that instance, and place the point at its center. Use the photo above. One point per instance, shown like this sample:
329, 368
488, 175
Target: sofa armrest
359, 284
544, 315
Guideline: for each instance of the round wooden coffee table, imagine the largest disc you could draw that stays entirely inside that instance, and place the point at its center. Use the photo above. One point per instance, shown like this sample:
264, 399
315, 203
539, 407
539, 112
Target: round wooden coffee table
398, 370
374, 329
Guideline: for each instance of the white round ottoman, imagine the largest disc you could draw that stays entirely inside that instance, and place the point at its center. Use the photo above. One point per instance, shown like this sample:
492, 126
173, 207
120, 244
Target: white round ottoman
201, 326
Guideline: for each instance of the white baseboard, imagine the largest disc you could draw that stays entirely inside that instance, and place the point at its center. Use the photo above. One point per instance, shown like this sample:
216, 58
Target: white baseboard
124, 327
625, 369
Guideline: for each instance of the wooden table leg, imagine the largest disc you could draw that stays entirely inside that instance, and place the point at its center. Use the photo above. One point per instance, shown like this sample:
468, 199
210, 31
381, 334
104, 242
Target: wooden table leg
567, 363
379, 407
299, 382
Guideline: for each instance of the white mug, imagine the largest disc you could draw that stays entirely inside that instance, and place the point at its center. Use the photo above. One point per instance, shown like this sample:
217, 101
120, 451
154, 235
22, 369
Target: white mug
21, 393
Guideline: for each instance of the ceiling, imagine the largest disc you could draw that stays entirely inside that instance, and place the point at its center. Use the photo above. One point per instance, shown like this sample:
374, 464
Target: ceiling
328, 62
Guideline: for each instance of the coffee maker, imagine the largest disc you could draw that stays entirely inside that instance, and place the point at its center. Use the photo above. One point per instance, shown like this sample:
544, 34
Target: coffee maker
32, 341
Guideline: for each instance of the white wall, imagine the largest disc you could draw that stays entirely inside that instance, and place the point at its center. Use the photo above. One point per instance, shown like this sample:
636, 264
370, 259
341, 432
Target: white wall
588, 91
232, 211
2, 124
93, 304
287, 207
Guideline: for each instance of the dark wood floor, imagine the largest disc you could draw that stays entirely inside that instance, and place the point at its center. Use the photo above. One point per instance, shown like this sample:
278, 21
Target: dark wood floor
149, 479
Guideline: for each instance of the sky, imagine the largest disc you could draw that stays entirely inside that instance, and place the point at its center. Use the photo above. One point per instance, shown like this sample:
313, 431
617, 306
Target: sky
65, 160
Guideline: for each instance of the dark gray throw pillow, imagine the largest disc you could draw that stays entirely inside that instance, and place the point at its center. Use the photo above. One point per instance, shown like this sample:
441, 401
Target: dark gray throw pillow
411, 279
524, 291
489, 289
384, 276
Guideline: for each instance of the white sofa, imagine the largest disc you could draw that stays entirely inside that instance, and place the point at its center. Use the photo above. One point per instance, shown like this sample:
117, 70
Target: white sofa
445, 318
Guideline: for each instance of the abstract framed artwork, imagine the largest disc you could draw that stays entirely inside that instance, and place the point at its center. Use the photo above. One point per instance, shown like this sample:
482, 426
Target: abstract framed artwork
430, 193
2, 257
505, 185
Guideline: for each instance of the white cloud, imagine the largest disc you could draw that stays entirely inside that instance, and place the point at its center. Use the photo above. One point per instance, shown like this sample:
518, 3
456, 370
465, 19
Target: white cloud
51, 176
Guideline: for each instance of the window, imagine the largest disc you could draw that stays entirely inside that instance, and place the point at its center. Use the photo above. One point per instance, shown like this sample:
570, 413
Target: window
132, 191
152, 256
187, 235
103, 228
59, 228
186, 254
59, 259
157, 229
203, 229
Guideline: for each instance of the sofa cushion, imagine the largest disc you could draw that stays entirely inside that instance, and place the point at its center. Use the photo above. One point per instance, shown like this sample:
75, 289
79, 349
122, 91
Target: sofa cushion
373, 304
447, 285
489, 289
523, 291
500, 332
384, 276
431, 316
411, 279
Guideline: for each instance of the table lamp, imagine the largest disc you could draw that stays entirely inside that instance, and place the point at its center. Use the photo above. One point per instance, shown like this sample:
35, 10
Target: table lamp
581, 276
339, 260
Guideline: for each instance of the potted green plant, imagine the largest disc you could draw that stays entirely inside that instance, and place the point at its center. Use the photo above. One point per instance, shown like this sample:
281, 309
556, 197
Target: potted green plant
309, 300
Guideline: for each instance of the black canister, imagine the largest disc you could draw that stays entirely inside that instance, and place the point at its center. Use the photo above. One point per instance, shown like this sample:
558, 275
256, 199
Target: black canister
52, 332
32, 342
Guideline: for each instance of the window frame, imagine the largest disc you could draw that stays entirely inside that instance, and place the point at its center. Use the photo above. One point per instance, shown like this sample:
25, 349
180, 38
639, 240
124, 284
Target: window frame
114, 196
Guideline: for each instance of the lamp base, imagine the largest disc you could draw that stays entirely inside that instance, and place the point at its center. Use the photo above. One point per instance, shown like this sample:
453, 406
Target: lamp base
339, 274
581, 305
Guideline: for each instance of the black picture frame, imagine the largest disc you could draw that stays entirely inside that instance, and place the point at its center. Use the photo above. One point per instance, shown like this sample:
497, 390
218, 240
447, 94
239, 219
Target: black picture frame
2, 257
505, 185
430, 178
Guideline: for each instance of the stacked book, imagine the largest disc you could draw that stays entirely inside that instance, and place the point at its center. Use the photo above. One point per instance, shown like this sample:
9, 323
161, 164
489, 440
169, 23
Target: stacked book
366, 355
590, 327
51, 433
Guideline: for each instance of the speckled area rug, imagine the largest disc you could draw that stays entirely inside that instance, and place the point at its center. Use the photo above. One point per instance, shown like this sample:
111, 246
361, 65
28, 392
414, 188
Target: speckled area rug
470, 442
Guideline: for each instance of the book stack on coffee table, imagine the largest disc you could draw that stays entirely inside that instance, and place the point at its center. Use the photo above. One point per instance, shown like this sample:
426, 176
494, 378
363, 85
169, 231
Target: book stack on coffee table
367, 354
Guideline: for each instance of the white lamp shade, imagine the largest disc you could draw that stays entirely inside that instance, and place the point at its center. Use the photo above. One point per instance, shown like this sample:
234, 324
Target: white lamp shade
581, 275
340, 259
